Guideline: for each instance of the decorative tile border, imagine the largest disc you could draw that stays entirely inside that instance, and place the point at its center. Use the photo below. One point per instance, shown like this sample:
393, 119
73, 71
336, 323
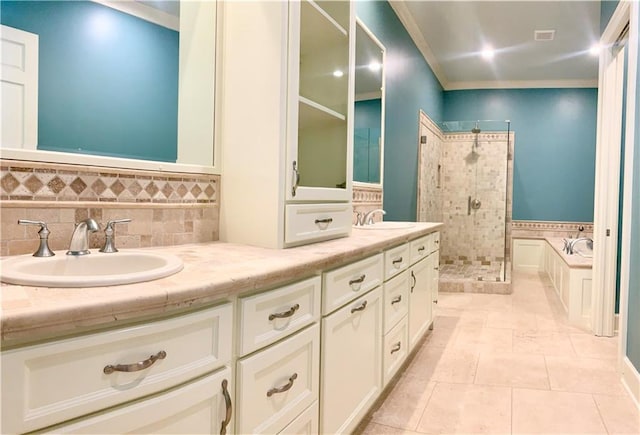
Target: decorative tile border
542, 229
367, 195
467, 286
36, 181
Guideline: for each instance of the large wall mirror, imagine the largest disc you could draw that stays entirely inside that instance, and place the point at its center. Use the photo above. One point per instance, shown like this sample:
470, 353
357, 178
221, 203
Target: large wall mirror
368, 143
110, 83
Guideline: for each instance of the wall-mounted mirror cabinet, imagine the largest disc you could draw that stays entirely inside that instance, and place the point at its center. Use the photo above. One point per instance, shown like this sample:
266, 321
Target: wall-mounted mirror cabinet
110, 83
368, 143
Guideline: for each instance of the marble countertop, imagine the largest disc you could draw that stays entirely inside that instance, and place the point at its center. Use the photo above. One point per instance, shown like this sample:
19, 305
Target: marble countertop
575, 260
213, 272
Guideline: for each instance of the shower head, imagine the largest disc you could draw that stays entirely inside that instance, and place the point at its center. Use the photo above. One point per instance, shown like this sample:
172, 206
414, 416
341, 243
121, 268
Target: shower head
476, 129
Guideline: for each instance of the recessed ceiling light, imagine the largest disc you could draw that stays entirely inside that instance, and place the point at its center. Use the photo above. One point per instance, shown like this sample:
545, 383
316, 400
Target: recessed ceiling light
338, 73
375, 66
488, 53
595, 49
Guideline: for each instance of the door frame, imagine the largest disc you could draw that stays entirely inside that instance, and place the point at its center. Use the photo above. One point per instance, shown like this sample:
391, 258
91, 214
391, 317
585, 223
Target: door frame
608, 184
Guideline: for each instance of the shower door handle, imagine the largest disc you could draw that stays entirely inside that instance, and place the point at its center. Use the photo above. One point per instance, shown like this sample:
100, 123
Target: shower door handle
469, 206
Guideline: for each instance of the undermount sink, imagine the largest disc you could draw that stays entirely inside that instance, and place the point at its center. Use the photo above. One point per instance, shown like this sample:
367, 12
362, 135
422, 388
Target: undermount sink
387, 225
94, 270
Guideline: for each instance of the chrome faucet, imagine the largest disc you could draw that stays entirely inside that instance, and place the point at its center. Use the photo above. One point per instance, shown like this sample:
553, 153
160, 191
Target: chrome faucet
79, 244
572, 243
109, 234
43, 250
368, 218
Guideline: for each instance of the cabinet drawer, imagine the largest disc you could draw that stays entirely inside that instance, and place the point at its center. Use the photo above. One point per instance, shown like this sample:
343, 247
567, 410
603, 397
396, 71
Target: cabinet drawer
396, 349
351, 363
292, 367
308, 222
396, 260
304, 424
420, 248
270, 316
196, 408
56, 381
396, 300
349, 282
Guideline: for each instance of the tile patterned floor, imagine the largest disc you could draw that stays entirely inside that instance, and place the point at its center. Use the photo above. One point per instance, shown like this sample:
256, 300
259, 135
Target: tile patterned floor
471, 271
508, 365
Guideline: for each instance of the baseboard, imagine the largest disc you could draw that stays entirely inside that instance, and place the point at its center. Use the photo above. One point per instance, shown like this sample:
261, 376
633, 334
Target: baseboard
631, 380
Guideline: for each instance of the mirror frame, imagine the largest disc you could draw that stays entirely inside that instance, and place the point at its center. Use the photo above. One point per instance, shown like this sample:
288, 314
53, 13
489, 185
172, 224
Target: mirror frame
373, 37
199, 53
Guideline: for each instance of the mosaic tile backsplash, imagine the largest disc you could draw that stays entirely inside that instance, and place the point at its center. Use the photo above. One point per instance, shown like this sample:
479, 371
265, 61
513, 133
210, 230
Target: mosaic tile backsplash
365, 199
166, 208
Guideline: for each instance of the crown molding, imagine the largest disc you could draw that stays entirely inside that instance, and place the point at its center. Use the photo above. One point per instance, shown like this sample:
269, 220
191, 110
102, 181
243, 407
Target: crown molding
521, 84
143, 12
412, 28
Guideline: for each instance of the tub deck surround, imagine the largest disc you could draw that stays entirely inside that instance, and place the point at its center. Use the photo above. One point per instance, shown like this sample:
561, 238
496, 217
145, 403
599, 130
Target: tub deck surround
575, 261
212, 272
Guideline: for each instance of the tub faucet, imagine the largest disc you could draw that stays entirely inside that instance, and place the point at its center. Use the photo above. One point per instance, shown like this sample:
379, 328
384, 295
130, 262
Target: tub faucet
368, 218
79, 244
573, 242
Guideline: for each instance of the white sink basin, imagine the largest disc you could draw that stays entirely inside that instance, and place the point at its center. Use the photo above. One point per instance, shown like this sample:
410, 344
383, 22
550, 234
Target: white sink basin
93, 270
388, 225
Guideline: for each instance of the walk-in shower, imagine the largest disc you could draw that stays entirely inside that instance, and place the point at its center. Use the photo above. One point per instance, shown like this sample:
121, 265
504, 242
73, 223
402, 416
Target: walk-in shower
474, 190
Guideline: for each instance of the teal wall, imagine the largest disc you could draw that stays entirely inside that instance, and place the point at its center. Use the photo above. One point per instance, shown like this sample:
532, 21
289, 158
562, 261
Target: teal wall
633, 316
555, 138
108, 82
410, 86
366, 140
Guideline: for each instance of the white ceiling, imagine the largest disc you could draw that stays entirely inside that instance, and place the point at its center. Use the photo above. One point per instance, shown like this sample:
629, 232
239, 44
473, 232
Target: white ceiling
451, 34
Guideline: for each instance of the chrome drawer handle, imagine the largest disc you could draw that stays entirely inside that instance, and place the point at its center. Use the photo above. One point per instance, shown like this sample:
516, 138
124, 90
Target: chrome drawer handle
360, 307
396, 300
227, 403
396, 347
324, 221
135, 367
285, 314
284, 388
421, 249
358, 280
397, 261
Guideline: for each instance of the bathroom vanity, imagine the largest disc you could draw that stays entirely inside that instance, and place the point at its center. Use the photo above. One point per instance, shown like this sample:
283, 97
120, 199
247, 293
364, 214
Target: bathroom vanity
236, 342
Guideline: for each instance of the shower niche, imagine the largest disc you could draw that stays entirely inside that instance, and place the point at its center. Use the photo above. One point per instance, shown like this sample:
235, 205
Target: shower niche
473, 199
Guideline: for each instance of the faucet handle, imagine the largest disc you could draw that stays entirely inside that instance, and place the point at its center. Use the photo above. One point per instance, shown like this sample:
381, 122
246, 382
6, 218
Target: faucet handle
43, 249
109, 244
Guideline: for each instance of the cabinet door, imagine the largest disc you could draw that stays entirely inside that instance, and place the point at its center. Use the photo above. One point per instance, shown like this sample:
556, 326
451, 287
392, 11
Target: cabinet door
351, 363
320, 113
420, 299
201, 407
435, 282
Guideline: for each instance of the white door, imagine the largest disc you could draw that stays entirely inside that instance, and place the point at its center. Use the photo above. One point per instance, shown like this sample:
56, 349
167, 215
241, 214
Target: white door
606, 199
19, 79
420, 299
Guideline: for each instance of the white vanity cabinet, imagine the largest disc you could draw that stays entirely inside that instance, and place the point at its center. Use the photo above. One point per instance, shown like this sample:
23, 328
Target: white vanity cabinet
286, 121
49, 383
420, 298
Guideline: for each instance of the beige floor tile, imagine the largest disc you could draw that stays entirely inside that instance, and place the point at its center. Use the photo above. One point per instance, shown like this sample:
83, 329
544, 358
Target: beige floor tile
467, 409
403, 407
514, 370
584, 375
457, 366
620, 414
490, 302
380, 429
456, 318
590, 346
517, 319
542, 343
554, 412
484, 339
454, 300
441, 337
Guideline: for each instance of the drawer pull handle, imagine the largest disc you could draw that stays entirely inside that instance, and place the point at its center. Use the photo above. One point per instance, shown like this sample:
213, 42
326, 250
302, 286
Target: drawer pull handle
324, 221
358, 280
284, 388
436, 268
285, 314
437, 242
360, 307
396, 347
227, 403
396, 300
396, 262
415, 281
135, 367
421, 249
435, 302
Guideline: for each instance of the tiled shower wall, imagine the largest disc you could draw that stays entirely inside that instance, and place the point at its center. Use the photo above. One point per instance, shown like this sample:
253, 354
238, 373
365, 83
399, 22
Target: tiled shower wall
430, 173
165, 208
